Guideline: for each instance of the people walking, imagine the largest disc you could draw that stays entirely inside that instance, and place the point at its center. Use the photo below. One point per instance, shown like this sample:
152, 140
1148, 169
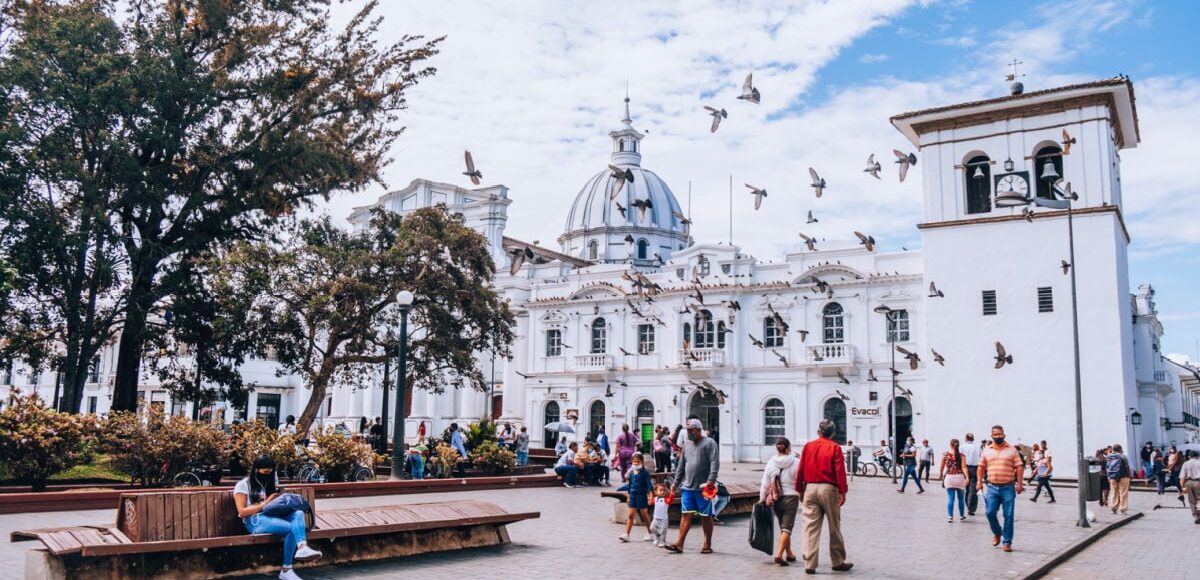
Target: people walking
521, 446
971, 454
1043, 469
925, 455
1147, 451
821, 481
952, 472
1119, 473
602, 440
778, 490
662, 450
696, 480
909, 458
1175, 461
638, 492
1189, 474
1158, 471
1001, 465
627, 445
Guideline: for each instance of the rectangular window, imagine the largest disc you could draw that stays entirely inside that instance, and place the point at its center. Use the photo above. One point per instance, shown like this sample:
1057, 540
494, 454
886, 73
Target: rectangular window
774, 421
897, 326
554, 342
94, 376
645, 338
1045, 299
989, 302
772, 333
91, 408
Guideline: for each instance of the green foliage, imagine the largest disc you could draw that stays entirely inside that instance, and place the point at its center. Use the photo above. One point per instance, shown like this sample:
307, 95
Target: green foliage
480, 433
336, 454
493, 459
449, 458
153, 449
36, 442
254, 438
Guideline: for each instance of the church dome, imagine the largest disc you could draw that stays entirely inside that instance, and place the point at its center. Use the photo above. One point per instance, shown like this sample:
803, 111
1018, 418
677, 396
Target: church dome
597, 230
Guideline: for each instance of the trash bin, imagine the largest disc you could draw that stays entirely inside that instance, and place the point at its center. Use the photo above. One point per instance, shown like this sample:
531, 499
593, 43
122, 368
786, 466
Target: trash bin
1090, 485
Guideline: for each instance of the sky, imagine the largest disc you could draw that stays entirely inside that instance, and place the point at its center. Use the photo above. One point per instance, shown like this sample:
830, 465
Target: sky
532, 88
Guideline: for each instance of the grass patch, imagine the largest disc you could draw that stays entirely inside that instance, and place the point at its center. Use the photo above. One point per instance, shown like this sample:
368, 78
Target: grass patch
97, 469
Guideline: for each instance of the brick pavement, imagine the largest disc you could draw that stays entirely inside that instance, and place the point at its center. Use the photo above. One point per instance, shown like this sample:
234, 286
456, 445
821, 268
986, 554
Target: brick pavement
888, 536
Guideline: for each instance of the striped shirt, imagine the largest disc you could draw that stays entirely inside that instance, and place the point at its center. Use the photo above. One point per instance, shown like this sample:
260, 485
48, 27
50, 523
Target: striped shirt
1001, 464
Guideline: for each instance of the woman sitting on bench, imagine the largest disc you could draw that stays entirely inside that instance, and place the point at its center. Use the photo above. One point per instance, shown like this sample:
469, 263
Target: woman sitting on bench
257, 490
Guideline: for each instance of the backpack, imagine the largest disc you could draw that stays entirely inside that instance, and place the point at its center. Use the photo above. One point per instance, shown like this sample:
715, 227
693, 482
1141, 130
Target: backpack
1115, 467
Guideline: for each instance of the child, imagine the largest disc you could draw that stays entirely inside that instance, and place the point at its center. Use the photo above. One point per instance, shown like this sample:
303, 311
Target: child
658, 527
638, 489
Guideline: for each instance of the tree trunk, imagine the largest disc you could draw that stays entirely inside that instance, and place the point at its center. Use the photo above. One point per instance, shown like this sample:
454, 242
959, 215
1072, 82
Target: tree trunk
133, 334
320, 384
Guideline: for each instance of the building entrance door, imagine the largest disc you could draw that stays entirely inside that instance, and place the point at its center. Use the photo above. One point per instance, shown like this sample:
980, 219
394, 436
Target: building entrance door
900, 425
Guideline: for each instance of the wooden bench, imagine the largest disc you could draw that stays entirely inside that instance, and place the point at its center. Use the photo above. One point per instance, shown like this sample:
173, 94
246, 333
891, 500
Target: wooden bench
742, 497
197, 534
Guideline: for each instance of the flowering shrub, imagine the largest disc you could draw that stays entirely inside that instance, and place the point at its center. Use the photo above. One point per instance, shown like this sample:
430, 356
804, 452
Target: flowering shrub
337, 454
255, 438
448, 459
493, 459
36, 442
156, 448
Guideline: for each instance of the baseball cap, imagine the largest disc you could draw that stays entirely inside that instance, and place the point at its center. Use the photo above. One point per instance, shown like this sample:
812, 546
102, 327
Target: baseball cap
694, 424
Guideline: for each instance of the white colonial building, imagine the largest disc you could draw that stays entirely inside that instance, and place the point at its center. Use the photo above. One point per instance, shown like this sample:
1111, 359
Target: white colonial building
631, 321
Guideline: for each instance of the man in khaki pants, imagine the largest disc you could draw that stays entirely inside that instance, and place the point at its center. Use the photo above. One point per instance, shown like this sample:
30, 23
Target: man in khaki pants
1118, 472
821, 480
1189, 476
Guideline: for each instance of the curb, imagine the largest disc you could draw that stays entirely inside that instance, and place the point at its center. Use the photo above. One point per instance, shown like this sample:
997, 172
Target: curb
1074, 549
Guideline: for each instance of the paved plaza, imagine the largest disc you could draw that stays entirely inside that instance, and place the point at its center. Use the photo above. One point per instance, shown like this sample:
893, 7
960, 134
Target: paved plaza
887, 535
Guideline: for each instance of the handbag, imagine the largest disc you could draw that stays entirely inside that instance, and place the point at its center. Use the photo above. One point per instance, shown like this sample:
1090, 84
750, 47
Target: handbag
774, 491
283, 506
762, 529
956, 481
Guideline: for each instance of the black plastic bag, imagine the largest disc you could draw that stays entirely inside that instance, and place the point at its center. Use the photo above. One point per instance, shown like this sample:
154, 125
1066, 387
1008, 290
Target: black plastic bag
762, 529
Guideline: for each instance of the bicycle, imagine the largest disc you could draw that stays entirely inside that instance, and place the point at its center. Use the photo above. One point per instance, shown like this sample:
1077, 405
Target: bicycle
312, 473
864, 469
197, 476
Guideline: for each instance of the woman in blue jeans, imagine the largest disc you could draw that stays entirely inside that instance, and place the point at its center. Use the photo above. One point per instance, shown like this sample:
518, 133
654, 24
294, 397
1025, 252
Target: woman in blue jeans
953, 473
257, 490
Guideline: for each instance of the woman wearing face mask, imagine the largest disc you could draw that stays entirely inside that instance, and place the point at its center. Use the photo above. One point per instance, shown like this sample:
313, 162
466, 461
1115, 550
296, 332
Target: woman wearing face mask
638, 488
257, 490
778, 489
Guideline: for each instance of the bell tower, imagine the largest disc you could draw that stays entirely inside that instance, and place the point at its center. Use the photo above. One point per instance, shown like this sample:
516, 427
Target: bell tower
1002, 263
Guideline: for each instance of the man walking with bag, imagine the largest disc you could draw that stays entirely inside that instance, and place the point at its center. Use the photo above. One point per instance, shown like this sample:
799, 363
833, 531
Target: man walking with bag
821, 480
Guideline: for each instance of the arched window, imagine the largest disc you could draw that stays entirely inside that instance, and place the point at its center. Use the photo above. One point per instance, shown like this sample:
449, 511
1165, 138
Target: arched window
835, 410
705, 268
979, 184
551, 415
593, 250
643, 250
774, 421
645, 420
645, 410
621, 145
705, 331
1049, 154
835, 328
599, 336
596, 416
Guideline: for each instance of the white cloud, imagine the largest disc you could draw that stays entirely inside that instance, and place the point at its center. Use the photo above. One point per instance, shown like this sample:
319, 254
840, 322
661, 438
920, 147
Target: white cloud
870, 58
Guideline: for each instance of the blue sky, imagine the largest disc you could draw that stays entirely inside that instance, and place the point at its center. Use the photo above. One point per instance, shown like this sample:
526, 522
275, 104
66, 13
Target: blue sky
532, 88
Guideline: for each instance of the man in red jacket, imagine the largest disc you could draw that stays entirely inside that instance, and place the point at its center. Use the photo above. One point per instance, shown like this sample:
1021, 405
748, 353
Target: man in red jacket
822, 483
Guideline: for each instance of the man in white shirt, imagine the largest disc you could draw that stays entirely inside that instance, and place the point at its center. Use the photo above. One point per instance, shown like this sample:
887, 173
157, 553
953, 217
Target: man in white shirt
972, 452
565, 466
1189, 477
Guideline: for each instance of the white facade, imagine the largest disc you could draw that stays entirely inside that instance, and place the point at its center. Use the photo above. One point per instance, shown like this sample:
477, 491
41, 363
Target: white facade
590, 349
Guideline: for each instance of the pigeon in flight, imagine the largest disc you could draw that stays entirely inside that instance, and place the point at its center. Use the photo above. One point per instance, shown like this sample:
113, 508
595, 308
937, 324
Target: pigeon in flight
1066, 267
687, 223
756, 342
842, 378
818, 184
913, 358
624, 352
717, 115
621, 209
1067, 142
782, 359
519, 256
905, 160
811, 219
608, 390
749, 92
871, 376
783, 326
819, 285
758, 194
523, 375
1002, 357
866, 240
1066, 193
471, 172
937, 358
810, 242
622, 176
629, 244
873, 167
642, 205
934, 292
803, 335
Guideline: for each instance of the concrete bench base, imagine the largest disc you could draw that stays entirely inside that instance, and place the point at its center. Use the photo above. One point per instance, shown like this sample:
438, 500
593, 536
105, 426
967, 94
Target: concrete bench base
40, 564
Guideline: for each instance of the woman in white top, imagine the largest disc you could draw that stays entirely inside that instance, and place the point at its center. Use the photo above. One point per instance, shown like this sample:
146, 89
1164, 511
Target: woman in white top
779, 488
257, 490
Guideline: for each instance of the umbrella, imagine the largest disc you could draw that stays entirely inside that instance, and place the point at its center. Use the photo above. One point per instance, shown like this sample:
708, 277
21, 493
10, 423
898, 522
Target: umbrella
560, 427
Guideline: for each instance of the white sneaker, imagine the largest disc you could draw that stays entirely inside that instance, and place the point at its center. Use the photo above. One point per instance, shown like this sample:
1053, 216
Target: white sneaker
648, 538
288, 575
568, 486
623, 537
306, 553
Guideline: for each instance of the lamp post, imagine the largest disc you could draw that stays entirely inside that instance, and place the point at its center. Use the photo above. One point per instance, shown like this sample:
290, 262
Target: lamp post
1061, 199
389, 345
892, 316
404, 300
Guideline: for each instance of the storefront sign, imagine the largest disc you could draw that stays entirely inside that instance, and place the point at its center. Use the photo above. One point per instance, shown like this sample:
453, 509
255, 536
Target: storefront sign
864, 412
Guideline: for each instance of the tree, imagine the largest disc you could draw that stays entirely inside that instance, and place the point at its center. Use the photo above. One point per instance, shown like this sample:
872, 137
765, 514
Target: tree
202, 123
325, 299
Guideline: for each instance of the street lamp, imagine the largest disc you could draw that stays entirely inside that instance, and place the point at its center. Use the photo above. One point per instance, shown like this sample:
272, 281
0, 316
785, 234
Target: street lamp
404, 300
389, 344
1135, 418
1061, 199
892, 316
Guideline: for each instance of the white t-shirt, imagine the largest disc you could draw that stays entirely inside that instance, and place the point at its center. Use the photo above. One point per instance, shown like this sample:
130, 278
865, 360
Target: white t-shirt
972, 451
567, 458
243, 487
660, 508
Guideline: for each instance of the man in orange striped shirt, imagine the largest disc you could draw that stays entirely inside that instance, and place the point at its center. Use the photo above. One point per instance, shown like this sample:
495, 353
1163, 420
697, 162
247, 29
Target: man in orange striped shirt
1002, 466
